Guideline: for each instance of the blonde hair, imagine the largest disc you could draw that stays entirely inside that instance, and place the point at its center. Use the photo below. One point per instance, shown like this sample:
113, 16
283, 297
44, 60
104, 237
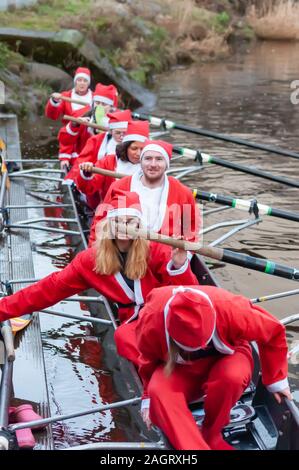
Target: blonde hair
108, 260
172, 357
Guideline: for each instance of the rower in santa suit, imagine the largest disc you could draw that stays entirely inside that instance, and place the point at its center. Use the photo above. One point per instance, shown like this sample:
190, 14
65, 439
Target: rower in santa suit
100, 145
168, 206
122, 269
126, 160
194, 341
56, 107
73, 137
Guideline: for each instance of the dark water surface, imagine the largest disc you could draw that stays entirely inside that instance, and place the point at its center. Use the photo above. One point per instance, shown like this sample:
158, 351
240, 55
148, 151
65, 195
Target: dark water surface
247, 96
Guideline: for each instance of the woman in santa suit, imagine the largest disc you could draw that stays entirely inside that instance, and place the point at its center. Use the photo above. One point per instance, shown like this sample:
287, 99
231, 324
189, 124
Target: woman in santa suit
105, 143
56, 107
122, 269
73, 137
194, 341
126, 160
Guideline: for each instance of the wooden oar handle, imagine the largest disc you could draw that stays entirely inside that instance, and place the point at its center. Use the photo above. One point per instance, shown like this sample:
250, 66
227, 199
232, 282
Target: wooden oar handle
215, 253
8, 340
82, 122
113, 174
70, 100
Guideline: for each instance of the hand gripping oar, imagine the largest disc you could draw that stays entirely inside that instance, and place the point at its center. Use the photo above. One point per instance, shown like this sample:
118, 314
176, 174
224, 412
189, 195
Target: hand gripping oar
71, 100
220, 254
167, 124
206, 158
82, 122
246, 205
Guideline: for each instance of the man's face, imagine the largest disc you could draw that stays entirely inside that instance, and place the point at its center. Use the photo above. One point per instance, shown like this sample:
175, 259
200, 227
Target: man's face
81, 85
153, 165
118, 135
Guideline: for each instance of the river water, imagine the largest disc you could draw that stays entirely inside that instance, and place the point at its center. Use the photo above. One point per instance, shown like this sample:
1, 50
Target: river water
247, 96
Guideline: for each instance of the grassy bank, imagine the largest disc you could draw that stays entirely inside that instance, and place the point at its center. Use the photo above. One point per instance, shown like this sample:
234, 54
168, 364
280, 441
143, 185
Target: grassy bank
142, 37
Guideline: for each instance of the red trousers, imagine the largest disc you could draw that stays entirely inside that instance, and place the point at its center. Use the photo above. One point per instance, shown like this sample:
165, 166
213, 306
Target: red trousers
221, 378
125, 340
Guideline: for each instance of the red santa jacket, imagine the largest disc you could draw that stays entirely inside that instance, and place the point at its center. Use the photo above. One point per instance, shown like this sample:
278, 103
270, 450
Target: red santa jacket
79, 275
94, 150
179, 215
72, 141
56, 110
237, 322
95, 187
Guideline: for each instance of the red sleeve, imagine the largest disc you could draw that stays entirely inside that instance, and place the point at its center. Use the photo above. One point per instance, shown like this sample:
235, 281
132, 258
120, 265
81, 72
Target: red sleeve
54, 111
97, 184
160, 264
87, 155
67, 142
48, 291
253, 323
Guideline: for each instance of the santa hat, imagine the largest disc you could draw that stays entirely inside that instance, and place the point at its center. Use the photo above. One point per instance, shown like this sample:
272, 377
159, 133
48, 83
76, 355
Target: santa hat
106, 94
119, 119
124, 203
191, 318
164, 148
138, 131
82, 72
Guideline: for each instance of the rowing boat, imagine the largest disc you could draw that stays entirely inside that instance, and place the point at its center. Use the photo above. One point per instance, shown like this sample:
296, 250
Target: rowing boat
257, 422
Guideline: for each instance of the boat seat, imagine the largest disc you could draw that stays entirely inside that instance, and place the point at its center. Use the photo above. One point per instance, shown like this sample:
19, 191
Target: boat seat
240, 415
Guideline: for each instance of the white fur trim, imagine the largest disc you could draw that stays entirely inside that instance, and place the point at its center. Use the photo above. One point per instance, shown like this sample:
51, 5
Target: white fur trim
75, 155
54, 103
145, 403
124, 211
64, 156
84, 176
103, 99
118, 125
163, 201
175, 272
70, 131
278, 386
129, 293
82, 75
68, 182
134, 137
220, 346
138, 299
155, 148
138, 292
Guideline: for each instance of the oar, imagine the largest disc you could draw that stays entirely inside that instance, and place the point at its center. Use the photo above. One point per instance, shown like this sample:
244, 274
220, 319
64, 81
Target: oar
113, 174
242, 204
220, 254
246, 205
155, 121
71, 100
206, 158
82, 122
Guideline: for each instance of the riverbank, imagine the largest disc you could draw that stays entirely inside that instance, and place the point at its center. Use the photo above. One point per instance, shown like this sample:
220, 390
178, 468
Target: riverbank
143, 38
